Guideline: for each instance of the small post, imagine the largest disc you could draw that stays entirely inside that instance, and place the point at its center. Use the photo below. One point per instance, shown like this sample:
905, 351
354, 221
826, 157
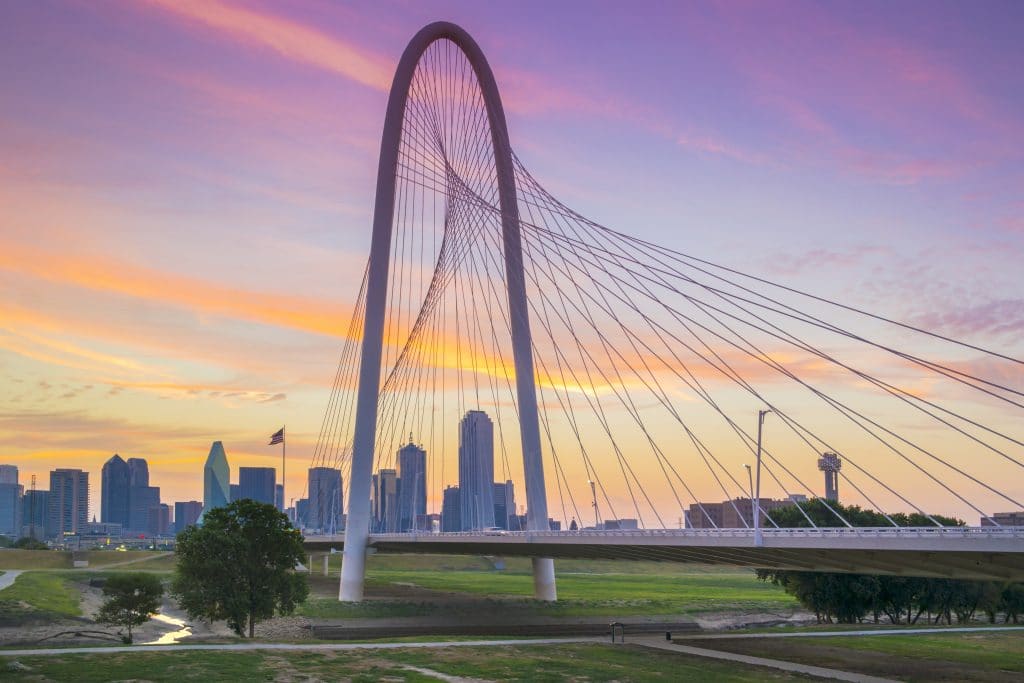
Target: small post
326, 565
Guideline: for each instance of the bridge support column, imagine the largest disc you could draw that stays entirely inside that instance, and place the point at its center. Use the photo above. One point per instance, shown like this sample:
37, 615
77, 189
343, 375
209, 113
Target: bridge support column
544, 579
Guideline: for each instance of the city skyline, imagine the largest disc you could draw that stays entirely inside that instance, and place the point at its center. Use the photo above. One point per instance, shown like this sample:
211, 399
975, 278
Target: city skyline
137, 321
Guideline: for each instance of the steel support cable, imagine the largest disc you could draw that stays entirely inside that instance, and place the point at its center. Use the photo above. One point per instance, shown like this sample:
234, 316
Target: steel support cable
731, 373
948, 372
577, 380
836, 403
660, 394
737, 512
495, 354
543, 407
688, 258
736, 378
624, 464
332, 441
730, 297
345, 370
896, 392
846, 411
634, 414
662, 459
631, 406
343, 365
570, 413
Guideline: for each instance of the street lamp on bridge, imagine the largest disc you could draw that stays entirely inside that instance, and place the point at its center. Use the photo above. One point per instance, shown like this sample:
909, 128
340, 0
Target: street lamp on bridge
758, 539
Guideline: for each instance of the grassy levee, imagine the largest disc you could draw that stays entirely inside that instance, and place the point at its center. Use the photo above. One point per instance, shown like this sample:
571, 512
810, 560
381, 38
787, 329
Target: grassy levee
540, 663
15, 558
39, 596
421, 585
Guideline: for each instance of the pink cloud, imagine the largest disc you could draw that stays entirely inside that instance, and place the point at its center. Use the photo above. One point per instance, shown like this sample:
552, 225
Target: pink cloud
289, 39
998, 317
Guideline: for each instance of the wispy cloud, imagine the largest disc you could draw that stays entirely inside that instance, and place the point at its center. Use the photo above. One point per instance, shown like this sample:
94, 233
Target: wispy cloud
289, 39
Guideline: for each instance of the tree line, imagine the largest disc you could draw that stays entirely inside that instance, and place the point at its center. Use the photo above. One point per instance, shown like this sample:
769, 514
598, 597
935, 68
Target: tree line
852, 598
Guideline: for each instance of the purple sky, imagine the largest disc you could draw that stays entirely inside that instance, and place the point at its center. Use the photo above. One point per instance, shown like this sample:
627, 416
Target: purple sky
187, 186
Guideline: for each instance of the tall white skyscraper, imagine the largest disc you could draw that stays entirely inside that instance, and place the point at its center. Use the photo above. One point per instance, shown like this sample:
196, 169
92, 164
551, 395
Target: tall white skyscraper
476, 471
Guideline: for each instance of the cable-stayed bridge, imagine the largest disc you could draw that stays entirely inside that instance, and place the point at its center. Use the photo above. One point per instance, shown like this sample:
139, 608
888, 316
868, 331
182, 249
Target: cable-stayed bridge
501, 340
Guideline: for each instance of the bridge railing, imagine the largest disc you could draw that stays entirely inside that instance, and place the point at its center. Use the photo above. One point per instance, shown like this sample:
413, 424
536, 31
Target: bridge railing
1005, 532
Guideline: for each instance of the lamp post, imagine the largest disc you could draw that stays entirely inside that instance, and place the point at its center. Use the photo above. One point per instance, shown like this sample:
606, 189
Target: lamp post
758, 538
750, 480
593, 498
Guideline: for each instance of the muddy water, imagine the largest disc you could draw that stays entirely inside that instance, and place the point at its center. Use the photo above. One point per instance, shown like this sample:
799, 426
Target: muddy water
171, 637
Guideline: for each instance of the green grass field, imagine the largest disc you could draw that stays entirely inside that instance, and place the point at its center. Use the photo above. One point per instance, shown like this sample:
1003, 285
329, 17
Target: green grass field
508, 663
989, 656
39, 596
1002, 650
420, 585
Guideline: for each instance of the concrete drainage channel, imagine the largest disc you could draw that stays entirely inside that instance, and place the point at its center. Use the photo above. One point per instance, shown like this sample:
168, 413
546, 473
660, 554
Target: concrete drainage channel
360, 630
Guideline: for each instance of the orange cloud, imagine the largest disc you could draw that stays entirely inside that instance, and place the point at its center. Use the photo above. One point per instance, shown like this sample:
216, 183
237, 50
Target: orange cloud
289, 39
107, 275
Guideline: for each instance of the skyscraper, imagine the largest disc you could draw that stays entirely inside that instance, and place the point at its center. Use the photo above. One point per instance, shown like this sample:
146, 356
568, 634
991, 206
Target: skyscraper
141, 496
385, 501
412, 485
476, 471
257, 483
186, 514
325, 500
504, 503
451, 515
69, 502
216, 479
10, 502
8, 474
35, 514
115, 481
141, 499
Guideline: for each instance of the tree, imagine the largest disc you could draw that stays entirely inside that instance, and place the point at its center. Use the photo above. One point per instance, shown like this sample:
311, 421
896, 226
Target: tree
239, 566
130, 600
29, 543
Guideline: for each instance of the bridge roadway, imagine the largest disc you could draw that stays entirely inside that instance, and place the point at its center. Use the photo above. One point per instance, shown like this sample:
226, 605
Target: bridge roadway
995, 553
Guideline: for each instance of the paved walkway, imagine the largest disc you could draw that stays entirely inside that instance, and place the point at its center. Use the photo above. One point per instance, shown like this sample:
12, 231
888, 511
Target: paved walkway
234, 647
935, 630
8, 577
792, 667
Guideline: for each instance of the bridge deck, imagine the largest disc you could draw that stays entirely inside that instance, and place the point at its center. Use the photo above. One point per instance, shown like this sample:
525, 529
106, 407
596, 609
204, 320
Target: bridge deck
966, 553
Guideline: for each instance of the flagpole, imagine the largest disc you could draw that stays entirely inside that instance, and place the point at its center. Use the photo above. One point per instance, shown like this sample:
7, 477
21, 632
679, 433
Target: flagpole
283, 439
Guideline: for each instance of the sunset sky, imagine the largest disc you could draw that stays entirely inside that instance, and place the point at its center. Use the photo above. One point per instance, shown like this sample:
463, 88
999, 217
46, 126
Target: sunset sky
186, 187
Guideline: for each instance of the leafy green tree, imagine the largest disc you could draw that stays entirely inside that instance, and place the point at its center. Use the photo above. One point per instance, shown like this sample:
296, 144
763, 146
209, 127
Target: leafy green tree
130, 600
29, 543
1012, 602
239, 566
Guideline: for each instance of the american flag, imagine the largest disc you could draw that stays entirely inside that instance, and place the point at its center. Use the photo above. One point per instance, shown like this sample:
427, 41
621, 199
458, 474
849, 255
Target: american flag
277, 437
